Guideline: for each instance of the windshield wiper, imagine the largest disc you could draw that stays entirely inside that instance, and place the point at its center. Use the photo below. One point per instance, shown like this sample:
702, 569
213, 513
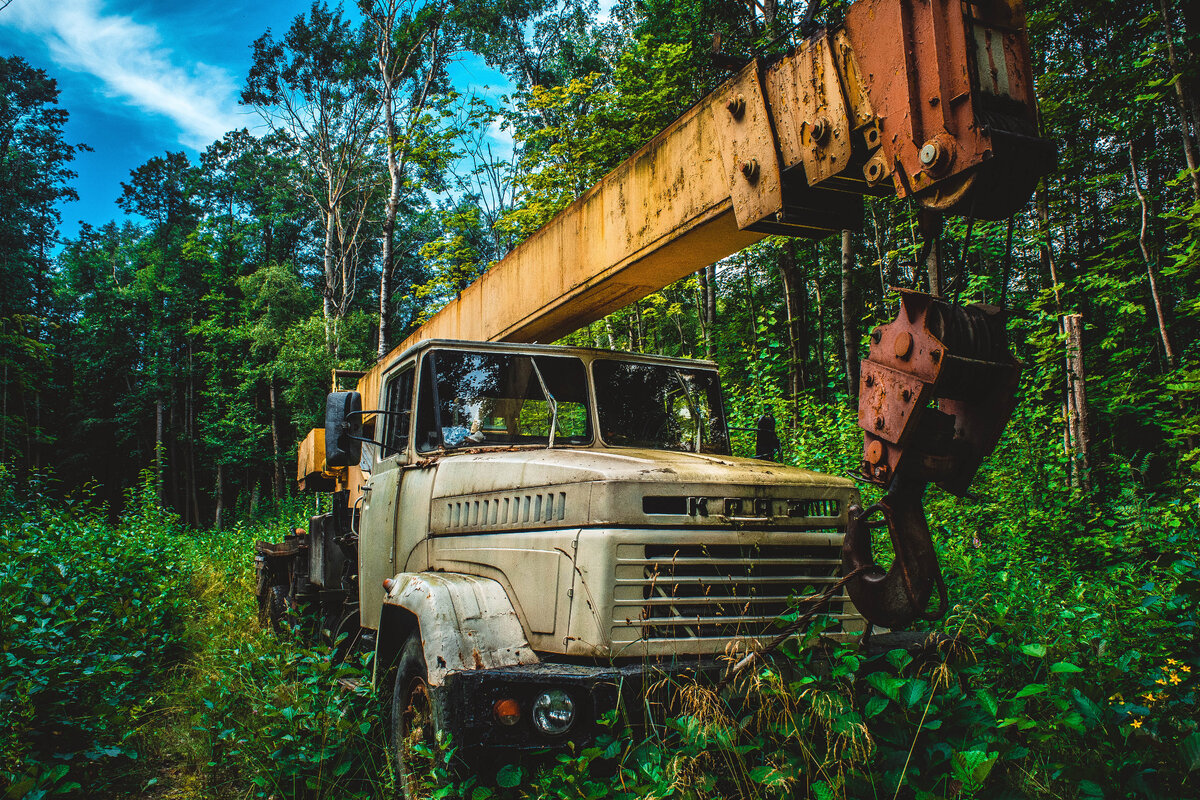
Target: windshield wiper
549, 401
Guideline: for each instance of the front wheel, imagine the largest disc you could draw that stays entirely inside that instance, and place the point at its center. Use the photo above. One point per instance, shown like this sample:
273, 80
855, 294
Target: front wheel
414, 745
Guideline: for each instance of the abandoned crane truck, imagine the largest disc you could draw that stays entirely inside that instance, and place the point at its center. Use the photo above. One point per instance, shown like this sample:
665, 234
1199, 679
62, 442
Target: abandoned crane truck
532, 526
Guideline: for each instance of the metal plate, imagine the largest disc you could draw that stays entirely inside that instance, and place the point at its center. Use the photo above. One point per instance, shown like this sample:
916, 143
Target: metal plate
887, 398
747, 142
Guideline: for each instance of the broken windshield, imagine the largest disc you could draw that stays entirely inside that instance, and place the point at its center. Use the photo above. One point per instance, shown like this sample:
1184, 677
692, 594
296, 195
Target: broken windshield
485, 399
661, 407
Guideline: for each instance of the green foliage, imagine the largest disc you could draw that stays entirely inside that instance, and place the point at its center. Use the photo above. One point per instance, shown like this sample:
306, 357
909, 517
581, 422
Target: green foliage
92, 616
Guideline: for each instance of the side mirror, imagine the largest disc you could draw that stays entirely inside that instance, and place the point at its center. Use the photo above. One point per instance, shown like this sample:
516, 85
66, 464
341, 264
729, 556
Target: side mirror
343, 429
766, 440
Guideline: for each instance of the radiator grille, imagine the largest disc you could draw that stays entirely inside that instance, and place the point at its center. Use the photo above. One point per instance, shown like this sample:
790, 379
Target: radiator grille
718, 590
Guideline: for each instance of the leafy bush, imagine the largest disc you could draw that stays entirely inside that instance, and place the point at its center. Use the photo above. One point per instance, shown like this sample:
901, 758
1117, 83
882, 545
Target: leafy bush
90, 616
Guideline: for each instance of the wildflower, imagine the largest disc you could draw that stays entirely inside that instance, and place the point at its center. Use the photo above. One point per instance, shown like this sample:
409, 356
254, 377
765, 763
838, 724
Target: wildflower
1184, 668
1147, 696
1161, 681
1174, 678
1137, 723
1172, 662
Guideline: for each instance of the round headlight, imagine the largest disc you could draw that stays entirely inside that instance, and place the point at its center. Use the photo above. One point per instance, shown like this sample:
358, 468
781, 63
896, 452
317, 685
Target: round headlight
553, 712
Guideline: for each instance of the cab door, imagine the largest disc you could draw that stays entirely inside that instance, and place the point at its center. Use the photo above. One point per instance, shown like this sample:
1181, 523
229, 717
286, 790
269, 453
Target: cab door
381, 493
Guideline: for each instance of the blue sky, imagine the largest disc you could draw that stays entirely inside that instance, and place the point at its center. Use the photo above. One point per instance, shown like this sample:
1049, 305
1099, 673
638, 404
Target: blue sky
141, 77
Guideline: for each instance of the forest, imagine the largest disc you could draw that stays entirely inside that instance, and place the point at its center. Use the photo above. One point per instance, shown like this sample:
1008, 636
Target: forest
159, 368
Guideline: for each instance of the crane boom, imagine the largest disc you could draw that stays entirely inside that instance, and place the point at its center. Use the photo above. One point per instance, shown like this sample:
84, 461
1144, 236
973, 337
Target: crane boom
931, 99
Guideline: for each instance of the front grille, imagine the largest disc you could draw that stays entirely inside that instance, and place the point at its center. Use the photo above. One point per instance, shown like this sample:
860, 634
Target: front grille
718, 590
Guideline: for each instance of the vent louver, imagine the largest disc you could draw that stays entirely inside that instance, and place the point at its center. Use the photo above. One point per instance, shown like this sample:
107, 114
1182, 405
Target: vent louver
510, 510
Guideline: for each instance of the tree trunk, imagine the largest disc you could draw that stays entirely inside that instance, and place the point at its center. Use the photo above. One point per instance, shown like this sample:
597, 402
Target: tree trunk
753, 332
389, 220
930, 224
639, 331
821, 374
1078, 423
794, 308
219, 513
330, 283
277, 487
158, 449
710, 304
850, 316
190, 430
1156, 298
702, 311
1182, 101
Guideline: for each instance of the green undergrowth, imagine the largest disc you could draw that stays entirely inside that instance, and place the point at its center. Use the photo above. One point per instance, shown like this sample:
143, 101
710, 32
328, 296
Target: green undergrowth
133, 664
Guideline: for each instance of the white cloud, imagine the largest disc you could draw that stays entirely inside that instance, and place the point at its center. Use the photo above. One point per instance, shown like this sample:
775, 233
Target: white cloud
133, 64
500, 138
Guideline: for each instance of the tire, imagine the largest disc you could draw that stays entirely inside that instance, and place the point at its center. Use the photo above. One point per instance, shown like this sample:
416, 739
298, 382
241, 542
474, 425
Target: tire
413, 748
279, 610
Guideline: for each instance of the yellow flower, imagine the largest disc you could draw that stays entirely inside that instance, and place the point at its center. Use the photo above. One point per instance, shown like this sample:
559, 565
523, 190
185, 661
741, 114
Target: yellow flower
1174, 678
1137, 723
1172, 662
1184, 668
1147, 696
1161, 681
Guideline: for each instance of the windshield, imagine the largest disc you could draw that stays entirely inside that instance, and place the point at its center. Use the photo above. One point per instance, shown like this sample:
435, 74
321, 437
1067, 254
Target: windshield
486, 399
660, 407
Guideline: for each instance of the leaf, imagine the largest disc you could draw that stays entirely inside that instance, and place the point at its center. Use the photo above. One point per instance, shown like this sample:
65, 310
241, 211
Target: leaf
1089, 790
875, 706
914, 692
509, 776
885, 683
1035, 650
972, 768
988, 701
1088, 709
1065, 666
1032, 689
1189, 750
765, 775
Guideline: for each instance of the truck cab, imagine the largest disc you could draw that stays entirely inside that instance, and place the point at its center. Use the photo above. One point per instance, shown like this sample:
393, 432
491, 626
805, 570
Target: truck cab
531, 527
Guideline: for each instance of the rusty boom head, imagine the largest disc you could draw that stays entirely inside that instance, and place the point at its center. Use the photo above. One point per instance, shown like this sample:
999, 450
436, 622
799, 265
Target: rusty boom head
929, 99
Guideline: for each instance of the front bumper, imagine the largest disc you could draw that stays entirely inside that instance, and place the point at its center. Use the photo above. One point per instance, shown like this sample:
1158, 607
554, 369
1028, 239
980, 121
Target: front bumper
466, 700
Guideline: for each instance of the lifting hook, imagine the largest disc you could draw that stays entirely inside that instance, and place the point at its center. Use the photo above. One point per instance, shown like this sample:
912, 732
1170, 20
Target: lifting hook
894, 598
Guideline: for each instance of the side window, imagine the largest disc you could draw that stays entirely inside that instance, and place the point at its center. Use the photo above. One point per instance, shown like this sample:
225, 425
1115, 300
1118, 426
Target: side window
397, 401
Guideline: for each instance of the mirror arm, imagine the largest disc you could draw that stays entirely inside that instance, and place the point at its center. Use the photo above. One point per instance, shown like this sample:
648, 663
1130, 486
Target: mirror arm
362, 439
378, 412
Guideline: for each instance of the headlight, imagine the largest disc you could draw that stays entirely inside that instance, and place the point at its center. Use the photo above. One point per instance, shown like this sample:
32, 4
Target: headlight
553, 712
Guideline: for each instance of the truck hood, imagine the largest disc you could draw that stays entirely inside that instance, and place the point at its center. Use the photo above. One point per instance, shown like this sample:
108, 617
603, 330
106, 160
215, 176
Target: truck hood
493, 471
561, 487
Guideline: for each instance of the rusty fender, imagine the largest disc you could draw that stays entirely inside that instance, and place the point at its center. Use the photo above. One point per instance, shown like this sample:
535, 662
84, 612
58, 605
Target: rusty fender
465, 622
